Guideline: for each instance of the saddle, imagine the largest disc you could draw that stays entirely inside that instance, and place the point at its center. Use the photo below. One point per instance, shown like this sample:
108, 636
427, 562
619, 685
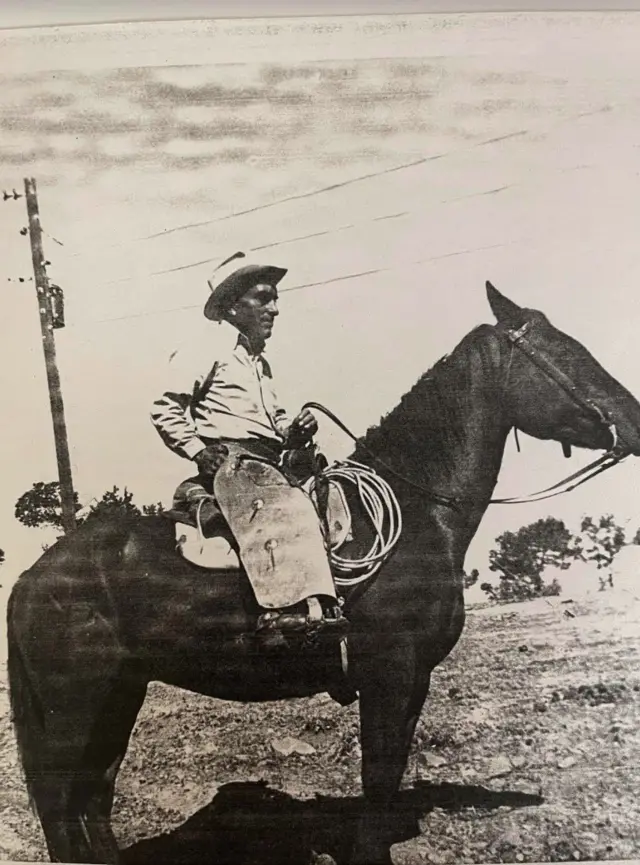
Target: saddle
278, 522
217, 552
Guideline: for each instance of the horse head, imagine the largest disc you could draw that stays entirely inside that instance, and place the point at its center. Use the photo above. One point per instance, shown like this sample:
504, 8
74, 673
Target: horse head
555, 388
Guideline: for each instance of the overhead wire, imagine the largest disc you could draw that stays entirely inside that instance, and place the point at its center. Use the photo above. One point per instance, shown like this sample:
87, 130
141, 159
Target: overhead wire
330, 187
201, 262
297, 238
328, 231
317, 284
344, 183
268, 204
296, 197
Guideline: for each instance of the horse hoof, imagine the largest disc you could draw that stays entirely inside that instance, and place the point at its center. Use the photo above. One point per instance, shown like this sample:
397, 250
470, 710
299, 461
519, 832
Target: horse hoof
321, 859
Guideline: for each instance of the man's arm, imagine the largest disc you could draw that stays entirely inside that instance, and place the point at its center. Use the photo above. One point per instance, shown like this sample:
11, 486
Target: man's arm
170, 412
282, 422
300, 430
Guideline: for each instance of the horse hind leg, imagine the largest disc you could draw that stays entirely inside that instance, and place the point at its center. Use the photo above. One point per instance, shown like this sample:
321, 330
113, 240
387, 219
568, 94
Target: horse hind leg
48, 784
65, 836
74, 799
75, 811
103, 757
48, 789
62, 686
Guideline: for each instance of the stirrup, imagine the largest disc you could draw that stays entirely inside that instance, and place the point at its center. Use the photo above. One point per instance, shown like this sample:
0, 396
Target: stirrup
281, 620
313, 624
334, 628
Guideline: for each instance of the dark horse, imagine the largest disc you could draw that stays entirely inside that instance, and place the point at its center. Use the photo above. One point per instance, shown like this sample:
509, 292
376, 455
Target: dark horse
112, 607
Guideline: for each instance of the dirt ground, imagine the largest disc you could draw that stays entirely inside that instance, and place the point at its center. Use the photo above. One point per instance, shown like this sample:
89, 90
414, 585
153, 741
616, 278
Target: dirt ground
527, 751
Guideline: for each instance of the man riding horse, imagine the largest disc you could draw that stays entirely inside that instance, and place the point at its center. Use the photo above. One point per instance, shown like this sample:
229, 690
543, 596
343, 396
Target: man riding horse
220, 402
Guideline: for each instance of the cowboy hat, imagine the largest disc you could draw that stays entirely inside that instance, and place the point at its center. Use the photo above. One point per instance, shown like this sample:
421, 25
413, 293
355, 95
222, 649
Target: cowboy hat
225, 292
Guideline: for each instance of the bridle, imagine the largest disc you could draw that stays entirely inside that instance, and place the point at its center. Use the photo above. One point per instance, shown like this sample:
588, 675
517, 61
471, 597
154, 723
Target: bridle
518, 339
616, 453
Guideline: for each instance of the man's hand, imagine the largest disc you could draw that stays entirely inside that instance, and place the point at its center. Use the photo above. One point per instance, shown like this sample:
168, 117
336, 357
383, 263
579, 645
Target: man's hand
302, 429
210, 459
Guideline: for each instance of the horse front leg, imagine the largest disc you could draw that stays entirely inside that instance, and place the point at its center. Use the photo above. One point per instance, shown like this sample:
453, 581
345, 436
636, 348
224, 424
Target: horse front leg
392, 695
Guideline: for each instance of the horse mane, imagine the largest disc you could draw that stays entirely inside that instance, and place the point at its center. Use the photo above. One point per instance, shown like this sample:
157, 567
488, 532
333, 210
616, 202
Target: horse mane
426, 425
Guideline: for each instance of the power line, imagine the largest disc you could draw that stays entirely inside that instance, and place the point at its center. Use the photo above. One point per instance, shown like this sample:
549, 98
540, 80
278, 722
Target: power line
270, 245
360, 178
348, 182
323, 233
331, 281
296, 197
251, 249
326, 232
136, 315
265, 205
51, 237
391, 269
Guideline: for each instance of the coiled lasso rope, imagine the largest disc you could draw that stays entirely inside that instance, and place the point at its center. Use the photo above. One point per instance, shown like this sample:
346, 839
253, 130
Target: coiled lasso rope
383, 510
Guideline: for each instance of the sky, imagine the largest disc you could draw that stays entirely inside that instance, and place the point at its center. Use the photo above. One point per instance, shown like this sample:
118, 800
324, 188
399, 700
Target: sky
159, 149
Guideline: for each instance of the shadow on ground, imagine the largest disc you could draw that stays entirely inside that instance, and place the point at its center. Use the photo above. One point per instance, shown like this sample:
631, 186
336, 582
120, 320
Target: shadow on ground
252, 824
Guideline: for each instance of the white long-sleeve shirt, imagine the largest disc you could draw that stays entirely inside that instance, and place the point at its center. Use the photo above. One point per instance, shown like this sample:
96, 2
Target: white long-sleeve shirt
240, 401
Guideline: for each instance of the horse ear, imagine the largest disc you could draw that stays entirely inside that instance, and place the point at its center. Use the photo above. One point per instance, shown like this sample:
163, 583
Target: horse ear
505, 310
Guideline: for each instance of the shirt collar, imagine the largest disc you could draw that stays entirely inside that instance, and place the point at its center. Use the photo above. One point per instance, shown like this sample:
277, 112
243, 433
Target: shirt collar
236, 338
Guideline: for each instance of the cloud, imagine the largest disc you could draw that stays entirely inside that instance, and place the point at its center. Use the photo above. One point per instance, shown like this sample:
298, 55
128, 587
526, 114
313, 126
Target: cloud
185, 118
156, 93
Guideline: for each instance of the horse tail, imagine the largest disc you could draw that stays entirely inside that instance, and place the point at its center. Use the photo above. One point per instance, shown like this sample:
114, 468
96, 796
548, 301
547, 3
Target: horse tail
26, 710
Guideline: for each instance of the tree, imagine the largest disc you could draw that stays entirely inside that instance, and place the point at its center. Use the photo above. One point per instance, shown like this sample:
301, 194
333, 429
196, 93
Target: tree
521, 557
41, 506
470, 579
603, 541
115, 503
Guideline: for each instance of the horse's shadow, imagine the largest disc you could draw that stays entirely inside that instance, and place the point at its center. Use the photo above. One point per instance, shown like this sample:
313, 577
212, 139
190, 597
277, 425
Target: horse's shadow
249, 823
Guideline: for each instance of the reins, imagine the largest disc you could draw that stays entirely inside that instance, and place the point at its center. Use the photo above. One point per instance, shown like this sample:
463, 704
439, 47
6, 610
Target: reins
436, 497
518, 340
585, 474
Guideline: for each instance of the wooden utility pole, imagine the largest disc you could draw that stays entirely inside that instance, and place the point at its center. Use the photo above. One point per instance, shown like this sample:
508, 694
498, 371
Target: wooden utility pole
48, 344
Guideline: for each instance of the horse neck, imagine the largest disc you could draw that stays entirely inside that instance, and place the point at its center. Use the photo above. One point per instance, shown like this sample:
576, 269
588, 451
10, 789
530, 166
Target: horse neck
448, 433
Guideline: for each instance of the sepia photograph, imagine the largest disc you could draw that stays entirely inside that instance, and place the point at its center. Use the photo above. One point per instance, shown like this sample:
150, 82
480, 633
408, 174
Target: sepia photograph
319, 522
